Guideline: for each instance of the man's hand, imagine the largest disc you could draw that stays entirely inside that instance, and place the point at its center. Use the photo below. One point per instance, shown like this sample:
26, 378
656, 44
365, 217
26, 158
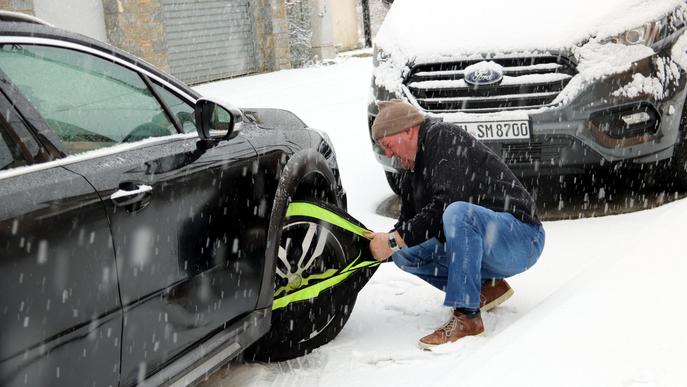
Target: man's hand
379, 244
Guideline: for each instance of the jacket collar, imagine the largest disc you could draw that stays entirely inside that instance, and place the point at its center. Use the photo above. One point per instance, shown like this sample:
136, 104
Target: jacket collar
422, 134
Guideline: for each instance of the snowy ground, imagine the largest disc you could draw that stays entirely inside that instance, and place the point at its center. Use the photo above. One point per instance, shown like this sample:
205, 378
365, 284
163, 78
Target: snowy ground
603, 307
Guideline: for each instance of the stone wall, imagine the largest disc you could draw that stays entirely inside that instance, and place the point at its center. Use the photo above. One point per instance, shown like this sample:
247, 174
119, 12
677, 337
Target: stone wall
272, 35
137, 26
23, 6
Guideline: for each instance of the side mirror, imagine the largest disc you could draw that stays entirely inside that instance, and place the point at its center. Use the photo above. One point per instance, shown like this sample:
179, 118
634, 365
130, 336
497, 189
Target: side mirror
214, 120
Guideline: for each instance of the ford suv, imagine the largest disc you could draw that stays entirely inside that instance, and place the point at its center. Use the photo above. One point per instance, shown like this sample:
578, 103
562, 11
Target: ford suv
551, 87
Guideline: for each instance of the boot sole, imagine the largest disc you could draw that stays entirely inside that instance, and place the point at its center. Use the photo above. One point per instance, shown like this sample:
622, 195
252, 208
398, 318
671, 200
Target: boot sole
498, 301
428, 347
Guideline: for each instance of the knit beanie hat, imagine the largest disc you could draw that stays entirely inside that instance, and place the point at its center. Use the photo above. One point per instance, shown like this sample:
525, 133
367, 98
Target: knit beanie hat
394, 117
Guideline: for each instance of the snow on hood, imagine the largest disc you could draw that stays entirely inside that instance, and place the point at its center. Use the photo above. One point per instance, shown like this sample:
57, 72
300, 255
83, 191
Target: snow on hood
428, 28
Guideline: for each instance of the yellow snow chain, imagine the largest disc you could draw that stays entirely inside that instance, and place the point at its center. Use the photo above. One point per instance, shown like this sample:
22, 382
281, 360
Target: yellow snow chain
335, 277
315, 290
313, 211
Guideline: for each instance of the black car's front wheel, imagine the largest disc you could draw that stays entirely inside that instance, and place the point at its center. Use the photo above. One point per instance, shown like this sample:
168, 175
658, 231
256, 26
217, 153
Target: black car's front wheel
316, 285
308, 253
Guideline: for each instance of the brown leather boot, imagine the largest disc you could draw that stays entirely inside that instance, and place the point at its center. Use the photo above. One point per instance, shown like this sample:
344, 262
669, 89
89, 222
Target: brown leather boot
456, 328
494, 293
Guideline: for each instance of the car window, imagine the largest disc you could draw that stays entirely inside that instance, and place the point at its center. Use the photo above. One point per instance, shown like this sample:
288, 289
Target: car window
180, 108
10, 155
89, 102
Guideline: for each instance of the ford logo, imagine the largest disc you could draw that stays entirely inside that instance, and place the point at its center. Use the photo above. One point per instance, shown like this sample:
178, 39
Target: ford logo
483, 73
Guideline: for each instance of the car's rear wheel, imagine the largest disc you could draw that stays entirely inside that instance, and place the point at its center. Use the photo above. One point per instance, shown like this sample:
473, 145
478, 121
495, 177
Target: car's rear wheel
309, 253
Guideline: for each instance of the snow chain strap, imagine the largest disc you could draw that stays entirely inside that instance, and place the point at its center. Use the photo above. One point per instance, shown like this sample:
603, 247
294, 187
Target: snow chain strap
336, 277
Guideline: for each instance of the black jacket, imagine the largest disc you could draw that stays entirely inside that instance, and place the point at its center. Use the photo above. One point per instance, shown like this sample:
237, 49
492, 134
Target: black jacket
452, 166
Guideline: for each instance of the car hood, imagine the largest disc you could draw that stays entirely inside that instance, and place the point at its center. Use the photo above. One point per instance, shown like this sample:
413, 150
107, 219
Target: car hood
429, 28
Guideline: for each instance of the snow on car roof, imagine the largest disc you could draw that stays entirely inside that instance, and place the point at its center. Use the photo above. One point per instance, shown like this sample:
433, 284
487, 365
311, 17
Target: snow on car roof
441, 27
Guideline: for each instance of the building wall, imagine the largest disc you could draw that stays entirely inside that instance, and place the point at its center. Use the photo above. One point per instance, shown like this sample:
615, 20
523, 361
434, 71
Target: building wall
299, 18
23, 6
345, 24
137, 26
378, 10
272, 35
320, 28
322, 31
83, 16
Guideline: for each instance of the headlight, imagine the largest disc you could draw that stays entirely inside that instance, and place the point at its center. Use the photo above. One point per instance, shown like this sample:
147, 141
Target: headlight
652, 32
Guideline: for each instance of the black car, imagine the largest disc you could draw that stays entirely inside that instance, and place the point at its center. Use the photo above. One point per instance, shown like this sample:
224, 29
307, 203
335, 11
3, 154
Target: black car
139, 222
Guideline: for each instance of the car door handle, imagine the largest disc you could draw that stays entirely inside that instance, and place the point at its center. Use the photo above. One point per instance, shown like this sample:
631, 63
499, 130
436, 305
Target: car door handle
125, 197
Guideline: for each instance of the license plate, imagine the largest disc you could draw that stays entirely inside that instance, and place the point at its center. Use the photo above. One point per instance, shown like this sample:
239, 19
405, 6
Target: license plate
497, 130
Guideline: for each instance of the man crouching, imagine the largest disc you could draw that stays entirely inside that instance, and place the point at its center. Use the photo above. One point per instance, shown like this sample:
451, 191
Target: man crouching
466, 221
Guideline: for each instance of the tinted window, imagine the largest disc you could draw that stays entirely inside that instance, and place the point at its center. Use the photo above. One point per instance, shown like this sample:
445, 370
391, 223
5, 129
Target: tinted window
10, 156
182, 110
89, 102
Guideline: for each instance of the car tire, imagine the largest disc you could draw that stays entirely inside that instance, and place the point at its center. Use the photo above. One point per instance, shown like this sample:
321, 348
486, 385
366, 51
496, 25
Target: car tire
300, 327
394, 180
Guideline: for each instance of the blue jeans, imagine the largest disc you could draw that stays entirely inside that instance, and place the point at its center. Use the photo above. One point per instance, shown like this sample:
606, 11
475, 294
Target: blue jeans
481, 244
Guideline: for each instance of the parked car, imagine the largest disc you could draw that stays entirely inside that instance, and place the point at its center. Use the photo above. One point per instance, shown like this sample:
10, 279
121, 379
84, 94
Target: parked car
552, 87
140, 223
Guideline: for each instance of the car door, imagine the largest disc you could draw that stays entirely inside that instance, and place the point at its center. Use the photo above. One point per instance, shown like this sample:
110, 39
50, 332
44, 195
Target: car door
180, 209
61, 315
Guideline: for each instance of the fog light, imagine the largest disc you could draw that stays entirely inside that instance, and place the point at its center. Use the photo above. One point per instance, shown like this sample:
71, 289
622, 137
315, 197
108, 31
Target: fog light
636, 118
625, 126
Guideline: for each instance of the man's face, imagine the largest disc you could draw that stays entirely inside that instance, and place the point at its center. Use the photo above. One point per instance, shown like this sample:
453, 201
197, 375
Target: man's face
401, 145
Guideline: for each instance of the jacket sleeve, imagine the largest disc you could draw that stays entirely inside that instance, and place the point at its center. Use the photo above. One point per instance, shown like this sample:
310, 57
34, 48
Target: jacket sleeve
406, 197
444, 159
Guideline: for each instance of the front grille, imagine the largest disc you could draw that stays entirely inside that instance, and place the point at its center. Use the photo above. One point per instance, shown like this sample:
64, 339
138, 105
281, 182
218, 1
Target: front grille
528, 83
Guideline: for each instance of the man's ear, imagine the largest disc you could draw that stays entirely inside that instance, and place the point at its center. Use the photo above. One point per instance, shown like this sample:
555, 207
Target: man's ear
410, 132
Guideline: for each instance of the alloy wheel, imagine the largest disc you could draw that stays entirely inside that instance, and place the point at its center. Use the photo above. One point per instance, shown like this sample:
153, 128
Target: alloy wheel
308, 253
